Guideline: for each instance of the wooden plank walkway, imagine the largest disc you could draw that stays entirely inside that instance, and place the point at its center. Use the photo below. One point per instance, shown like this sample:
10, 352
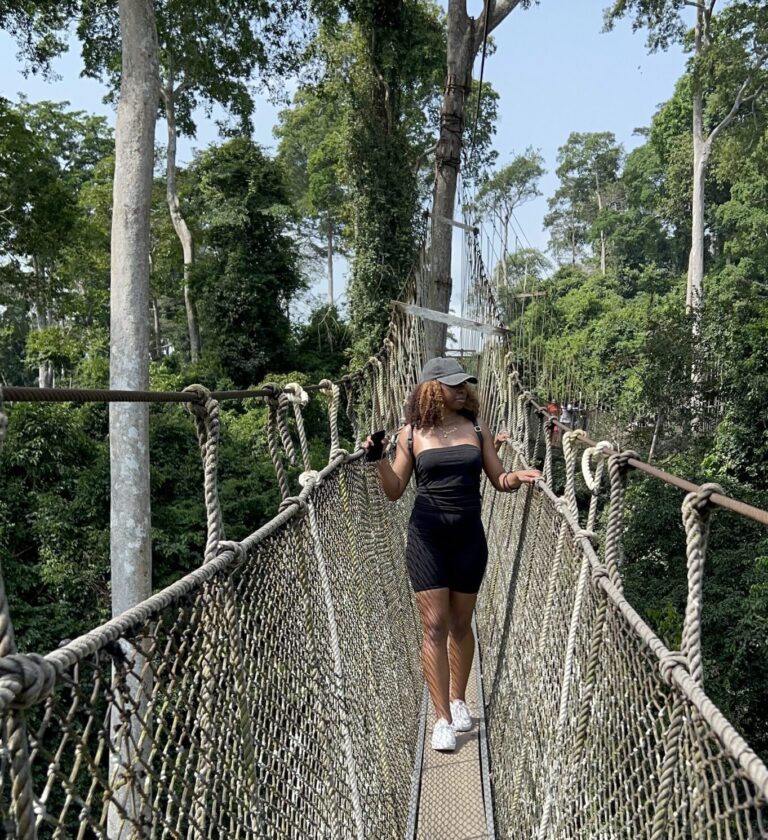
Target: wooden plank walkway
453, 801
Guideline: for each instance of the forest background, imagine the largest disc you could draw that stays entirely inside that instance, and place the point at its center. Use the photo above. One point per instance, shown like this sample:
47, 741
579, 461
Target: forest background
240, 231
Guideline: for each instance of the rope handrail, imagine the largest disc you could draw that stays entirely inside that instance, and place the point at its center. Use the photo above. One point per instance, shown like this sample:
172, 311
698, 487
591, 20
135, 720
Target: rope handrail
719, 499
274, 690
672, 668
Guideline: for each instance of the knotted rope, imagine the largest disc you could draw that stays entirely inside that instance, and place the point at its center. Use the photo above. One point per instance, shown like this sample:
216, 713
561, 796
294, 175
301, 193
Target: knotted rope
618, 466
594, 480
332, 392
205, 410
273, 441
569, 454
697, 512
308, 480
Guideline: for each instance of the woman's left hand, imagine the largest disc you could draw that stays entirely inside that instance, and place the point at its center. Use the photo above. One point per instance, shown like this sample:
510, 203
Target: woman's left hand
521, 477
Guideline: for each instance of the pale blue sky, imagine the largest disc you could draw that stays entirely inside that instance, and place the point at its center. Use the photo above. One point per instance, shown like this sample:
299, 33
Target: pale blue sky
555, 71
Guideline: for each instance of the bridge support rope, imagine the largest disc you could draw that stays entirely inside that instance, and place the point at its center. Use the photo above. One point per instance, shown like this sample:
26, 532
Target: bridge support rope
282, 681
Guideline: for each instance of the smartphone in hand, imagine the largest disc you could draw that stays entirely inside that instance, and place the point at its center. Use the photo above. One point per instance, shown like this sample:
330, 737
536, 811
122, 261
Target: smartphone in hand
376, 450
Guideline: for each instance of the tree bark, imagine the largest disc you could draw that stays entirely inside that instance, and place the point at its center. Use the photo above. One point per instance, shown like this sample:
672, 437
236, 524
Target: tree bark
44, 369
330, 263
130, 545
179, 222
695, 284
602, 232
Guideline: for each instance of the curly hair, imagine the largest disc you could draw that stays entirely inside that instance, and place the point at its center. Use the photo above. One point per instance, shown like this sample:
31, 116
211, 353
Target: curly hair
424, 408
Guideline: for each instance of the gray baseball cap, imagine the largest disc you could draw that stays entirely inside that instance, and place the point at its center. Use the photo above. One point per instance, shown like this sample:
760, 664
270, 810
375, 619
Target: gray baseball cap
447, 371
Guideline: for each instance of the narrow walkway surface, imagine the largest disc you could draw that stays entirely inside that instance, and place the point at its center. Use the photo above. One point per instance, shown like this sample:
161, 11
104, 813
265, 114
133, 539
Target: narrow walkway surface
452, 802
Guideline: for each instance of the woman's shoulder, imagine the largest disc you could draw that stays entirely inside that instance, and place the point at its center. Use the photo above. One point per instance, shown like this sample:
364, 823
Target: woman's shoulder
404, 434
475, 419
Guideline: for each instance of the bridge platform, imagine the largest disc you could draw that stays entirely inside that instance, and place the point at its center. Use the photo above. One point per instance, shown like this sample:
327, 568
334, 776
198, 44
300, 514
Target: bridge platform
451, 791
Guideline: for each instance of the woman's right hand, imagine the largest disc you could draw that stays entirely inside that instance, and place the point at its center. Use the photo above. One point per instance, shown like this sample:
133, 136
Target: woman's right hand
368, 443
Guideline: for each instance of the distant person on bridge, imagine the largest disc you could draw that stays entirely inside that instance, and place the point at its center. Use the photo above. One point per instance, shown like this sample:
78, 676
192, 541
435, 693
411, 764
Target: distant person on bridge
447, 444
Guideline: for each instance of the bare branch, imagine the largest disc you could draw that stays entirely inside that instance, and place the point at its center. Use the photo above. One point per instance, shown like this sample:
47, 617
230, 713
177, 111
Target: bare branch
185, 83
496, 14
422, 157
737, 102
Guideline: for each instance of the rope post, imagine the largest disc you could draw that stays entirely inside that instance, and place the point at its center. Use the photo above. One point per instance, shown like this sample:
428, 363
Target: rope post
548, 468
332, 391
222, 614
556, 774
618, 466
594, 480
205, 411
696, 510
272, 440
309, 478
569, 455
14, 730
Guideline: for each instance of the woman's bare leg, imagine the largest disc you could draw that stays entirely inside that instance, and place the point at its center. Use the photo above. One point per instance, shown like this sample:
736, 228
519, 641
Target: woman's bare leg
462, 642
434, 608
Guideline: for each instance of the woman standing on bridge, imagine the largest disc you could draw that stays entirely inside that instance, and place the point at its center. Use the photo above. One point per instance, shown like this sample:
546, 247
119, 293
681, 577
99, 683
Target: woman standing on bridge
447, 444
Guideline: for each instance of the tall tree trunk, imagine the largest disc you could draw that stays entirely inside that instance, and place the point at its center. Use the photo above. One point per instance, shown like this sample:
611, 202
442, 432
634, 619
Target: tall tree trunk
130, 545
448, 159
179, 223
656, 434
44, 369
695, 284
330, 263
602, 232
158, 340
694, 297
465, 37
505, 246
694, 293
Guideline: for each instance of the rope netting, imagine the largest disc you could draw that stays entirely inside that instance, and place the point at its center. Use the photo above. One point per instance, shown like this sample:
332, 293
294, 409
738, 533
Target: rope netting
275, 691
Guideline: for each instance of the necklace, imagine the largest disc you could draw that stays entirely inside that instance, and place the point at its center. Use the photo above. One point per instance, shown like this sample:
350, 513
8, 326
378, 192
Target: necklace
445, 432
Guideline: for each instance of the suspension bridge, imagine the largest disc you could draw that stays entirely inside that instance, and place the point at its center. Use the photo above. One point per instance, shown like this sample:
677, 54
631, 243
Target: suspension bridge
276, 691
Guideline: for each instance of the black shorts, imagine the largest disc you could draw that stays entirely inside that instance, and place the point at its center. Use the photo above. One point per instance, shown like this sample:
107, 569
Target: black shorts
446, 550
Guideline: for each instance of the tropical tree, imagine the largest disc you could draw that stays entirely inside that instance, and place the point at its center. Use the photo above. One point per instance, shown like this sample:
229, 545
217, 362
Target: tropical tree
208, 53
247, 273
728, 73
503, 191
588, 169
47, 155
311, 150
38, 28
466, 36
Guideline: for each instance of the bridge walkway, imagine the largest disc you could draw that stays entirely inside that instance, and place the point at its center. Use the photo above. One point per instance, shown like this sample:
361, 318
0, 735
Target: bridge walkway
451, 792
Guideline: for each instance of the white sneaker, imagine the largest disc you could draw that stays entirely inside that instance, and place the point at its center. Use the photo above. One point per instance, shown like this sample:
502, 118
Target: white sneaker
443, 736
462, 720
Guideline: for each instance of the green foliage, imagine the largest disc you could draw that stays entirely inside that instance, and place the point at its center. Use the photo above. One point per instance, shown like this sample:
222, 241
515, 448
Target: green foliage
588, 169
323, 344
38, 27
51, 238
735, 616
209, 51
246, 273
54, 535
355, 144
